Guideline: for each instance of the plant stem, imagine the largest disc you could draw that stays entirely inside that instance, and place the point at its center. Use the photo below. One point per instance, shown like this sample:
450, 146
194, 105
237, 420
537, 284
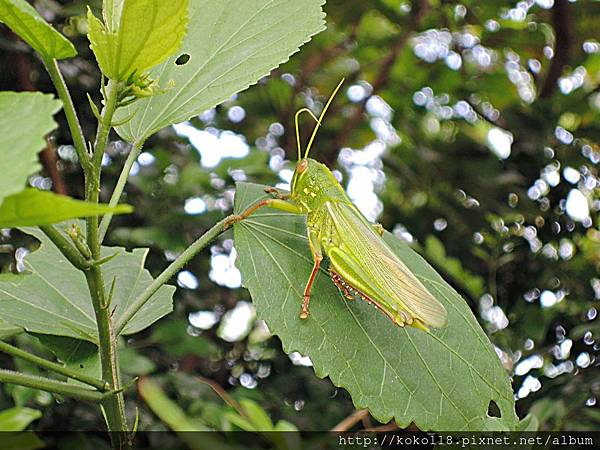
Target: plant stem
107, 346
116, 195
69, 108
49, 365
173, 268
65, 247
93, 181
49, 385
114, 405
104, 125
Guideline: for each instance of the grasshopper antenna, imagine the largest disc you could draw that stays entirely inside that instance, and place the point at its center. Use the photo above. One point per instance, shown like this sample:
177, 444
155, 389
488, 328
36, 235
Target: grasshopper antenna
319, 120
300, 111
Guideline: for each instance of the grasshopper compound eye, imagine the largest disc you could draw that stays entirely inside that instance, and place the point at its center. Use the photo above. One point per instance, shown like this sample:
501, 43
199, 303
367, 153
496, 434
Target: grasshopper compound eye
302, 165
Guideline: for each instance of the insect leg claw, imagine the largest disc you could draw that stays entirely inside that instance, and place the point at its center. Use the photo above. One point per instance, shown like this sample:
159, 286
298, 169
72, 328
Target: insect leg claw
275, 193
304, 312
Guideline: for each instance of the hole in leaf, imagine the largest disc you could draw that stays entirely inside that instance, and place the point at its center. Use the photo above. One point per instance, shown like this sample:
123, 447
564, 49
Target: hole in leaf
493, 409
182, 59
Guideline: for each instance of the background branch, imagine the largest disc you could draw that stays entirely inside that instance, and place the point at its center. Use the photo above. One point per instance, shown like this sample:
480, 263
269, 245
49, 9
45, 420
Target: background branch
561, 22
350, 421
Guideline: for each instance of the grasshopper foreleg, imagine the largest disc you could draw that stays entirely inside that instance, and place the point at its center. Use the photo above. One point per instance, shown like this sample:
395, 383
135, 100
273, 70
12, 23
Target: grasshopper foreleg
276, 203
276, 193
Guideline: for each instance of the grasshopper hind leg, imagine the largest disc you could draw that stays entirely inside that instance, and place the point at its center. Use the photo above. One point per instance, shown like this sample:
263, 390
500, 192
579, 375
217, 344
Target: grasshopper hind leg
341, 285
350, 293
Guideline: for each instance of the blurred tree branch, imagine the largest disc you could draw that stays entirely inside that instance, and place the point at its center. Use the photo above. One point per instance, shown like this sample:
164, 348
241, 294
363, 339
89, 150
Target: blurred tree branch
561, 22
350, 421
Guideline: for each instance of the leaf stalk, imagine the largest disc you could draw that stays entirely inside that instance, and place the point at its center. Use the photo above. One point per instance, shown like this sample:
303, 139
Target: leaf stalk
101, 385
70, 112
69, 251
198, 245
120, 186
54, 386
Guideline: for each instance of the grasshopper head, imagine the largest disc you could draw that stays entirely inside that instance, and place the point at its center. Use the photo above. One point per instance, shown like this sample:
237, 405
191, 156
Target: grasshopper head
300, 173
312, 182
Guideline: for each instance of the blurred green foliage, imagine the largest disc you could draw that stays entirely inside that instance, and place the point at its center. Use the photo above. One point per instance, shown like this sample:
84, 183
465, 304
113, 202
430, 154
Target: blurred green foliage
487, 210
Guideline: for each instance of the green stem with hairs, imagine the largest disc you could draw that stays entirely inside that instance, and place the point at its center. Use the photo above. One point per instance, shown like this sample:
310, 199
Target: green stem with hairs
173, 268
66, 248
69, 108
120, 186
114, 406
57, 387
52, 366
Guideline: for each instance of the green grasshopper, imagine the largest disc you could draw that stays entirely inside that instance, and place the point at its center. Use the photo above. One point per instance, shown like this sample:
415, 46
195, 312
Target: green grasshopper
361, 264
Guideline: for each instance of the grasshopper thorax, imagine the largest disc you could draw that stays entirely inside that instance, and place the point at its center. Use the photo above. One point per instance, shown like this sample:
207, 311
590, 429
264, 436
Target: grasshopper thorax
313, 184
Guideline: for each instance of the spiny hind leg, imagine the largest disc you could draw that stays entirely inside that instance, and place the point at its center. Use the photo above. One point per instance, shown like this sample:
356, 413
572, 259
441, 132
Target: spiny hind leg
354, 275
341, 285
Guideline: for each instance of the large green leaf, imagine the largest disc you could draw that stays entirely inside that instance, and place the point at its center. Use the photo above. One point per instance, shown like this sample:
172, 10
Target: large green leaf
442, 380
83, 357
231, 44
25, 118
111, 13
52, 297
25, 21
137, 35
18, 418
35, 207
7, 330
76, 354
